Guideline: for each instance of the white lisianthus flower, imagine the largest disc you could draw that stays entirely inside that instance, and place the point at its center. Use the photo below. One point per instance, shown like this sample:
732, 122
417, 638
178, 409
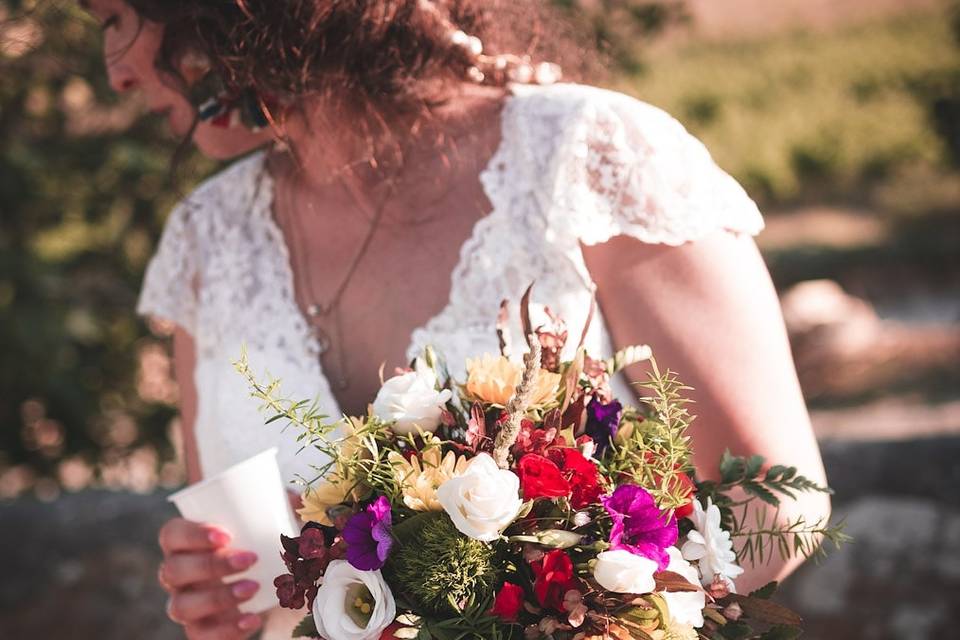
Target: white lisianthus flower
483, 500
686, 607
352, 604
411, 401
623, 572
710, 546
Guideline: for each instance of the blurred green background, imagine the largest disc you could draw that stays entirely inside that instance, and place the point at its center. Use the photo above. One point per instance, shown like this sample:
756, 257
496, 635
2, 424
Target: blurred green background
841, 118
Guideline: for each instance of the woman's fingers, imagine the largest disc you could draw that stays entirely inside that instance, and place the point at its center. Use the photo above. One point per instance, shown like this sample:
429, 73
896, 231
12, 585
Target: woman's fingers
230, 627
180, 570
179, 535
194, 605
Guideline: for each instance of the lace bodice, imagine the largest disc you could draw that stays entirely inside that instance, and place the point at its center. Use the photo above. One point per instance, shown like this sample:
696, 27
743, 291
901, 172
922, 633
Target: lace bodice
575, 165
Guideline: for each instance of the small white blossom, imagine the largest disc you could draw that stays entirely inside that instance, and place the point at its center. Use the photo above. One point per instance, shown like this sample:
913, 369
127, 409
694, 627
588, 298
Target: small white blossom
686, 607
623, 572
710, 546
411, 401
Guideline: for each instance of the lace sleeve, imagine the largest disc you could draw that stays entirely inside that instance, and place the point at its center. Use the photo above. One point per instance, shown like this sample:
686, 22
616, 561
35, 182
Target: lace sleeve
634, 170
169, 286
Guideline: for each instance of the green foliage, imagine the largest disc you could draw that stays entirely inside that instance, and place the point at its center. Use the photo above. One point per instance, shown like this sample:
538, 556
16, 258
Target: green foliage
306, 628
366, 463
83, 192
618, 26
657, 448
438, 567
765, 533
808, 115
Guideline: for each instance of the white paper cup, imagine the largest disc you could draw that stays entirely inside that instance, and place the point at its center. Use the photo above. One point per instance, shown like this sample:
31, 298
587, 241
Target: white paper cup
249, 501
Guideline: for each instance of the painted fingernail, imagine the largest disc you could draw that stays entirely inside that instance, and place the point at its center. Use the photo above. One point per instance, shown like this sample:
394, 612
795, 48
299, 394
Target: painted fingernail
244, 589
248, 622
218, 537
241, 560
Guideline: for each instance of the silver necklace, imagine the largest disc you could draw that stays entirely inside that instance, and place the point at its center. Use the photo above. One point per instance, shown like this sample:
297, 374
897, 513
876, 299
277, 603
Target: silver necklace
318, 311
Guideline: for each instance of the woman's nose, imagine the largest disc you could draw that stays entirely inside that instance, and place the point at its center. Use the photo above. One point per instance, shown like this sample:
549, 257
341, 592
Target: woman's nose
121, 77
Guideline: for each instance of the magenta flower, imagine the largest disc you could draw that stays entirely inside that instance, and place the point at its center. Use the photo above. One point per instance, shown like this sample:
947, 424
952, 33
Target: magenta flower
639, 525
368, 536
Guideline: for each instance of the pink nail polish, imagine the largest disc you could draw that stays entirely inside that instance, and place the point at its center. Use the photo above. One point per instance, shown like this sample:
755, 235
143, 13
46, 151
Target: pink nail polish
244, 589
217, 537
248, 622
241, 560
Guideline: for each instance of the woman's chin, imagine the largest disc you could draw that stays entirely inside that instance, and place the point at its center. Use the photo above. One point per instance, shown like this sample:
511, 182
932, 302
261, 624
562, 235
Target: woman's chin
224, 143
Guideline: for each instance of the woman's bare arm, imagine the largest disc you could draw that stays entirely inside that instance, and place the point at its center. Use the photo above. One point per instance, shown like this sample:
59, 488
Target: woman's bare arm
711, 314
184, 362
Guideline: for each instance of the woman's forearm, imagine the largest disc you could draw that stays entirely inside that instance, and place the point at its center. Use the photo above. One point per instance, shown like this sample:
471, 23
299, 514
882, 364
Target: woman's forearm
184, 362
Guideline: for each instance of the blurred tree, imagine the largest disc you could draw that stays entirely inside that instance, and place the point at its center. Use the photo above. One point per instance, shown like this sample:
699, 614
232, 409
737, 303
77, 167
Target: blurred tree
619, 28
940, 92
83, 190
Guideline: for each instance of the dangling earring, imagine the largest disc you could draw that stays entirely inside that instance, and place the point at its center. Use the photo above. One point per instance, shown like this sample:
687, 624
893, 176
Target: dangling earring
214, 101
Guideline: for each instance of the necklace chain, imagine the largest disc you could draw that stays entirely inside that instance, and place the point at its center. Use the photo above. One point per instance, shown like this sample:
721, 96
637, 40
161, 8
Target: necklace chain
317, 310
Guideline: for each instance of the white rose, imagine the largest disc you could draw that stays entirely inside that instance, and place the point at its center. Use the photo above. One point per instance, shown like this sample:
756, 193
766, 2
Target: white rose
483, 500
411, 401
352, 604
623, 572
686, 607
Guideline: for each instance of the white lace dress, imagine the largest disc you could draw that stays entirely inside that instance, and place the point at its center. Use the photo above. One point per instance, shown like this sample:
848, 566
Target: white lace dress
576, 164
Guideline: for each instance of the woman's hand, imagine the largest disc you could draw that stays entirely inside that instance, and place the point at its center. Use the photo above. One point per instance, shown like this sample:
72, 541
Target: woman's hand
196, 559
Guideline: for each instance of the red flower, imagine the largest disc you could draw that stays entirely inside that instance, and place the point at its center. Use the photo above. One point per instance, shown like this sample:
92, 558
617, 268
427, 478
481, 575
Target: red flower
540, 478
509, 601
533, 439
580, 474
554, 577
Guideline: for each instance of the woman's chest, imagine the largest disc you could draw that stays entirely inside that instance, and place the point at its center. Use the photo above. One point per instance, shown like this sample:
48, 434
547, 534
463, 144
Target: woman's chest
364, 300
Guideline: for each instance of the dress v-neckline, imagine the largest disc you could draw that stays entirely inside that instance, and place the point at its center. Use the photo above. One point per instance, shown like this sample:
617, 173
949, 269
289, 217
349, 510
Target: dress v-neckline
265, 195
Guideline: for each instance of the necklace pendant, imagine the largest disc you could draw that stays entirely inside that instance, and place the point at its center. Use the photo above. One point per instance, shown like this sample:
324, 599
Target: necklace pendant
313, 310
323, 341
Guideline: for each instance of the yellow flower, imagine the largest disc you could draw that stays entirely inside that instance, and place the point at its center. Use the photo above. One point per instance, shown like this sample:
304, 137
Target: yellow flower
420, 477
338, 487
328, 493
493, 379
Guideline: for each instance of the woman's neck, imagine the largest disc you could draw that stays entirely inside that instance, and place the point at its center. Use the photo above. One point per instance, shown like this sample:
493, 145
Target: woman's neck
370, 150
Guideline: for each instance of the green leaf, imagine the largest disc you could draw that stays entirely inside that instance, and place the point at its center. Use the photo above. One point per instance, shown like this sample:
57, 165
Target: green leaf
766, 591
758, 490
775, 472
732, 468
754, 463
782, 632
307, 628
736, 630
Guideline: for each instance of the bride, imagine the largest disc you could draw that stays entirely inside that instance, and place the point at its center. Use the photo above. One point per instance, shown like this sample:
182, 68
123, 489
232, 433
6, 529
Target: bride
395, 181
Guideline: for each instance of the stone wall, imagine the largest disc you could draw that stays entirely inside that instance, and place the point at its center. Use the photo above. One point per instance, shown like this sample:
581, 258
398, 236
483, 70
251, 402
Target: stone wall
83, 567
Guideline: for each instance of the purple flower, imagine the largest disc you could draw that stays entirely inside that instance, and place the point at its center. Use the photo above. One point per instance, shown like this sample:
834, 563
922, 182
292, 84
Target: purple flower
368, 536
638, 524
602, 422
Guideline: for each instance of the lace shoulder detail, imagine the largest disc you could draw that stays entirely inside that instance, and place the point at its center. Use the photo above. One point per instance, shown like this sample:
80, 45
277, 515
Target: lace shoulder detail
630, 168
173, 277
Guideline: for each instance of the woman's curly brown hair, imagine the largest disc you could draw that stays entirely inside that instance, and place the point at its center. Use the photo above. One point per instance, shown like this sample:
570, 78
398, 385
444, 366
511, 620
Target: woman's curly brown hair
392, 54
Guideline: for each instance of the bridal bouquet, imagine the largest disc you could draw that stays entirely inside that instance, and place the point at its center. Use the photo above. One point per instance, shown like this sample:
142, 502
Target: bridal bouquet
528, 502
